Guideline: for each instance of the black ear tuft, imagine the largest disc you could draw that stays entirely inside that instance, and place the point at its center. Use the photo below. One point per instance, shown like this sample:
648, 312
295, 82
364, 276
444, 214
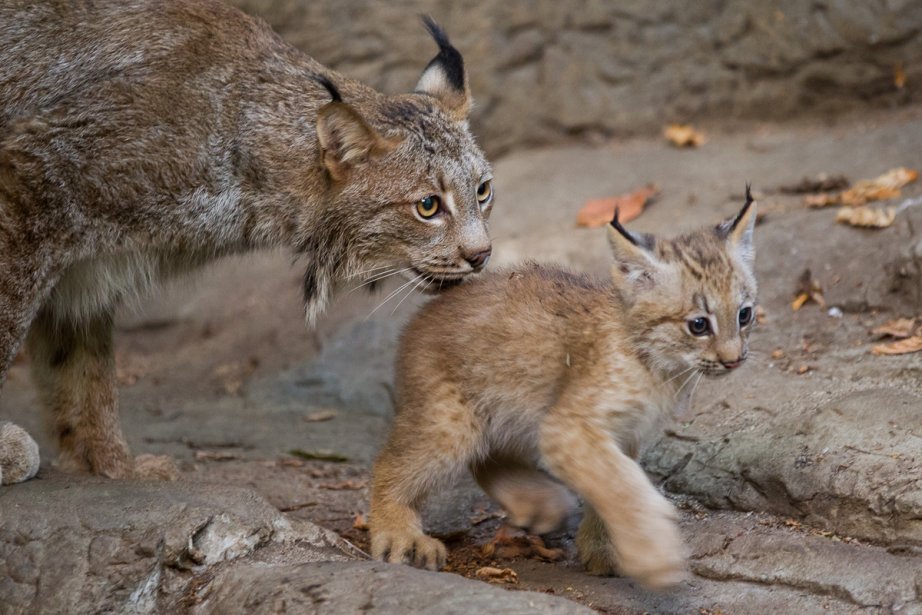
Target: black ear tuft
449, 58
746, 206
328, 85
617, 226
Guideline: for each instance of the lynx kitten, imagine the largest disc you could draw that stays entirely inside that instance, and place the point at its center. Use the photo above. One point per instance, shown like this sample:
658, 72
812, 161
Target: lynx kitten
541, 381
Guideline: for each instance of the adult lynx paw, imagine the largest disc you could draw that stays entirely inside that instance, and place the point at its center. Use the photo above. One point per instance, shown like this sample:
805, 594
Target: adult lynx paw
651, 549
406, 547
18, 454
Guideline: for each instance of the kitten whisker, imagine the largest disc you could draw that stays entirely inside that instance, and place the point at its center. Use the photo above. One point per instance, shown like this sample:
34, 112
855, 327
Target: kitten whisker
695, 387
687, 380
681, 373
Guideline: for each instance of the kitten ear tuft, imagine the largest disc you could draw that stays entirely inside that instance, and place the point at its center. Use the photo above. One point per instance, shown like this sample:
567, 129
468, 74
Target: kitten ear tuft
444, 78
738, 231
634, 261
346, 139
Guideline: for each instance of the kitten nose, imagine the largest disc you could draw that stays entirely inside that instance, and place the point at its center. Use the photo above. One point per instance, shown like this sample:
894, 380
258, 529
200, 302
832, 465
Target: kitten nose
732, 364
478, 260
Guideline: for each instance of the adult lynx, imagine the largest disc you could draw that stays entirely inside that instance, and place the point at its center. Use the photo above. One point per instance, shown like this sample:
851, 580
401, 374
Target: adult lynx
140, 139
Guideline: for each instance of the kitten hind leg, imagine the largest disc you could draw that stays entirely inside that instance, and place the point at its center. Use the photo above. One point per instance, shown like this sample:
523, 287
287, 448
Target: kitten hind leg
532, 499
74, 368
595, 547
420, 455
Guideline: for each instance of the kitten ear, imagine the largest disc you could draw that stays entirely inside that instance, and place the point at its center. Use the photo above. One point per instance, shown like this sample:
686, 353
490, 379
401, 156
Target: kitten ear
346, 140
444, 78
635, 264
738, 232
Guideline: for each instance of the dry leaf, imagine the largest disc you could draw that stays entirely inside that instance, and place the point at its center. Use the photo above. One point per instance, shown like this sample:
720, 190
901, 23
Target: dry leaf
360, 522
803, 369
777, 353
322, 415
867, 217
683, 135
808, 289
497, 575
899, 328
599, 212
761, 315
346, 485
823, 199
821, 183
512, 543
906, 346
886, 186
899, 76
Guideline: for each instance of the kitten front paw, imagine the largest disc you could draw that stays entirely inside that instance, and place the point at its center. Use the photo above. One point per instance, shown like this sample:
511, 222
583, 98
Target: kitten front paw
652, 550
406, 547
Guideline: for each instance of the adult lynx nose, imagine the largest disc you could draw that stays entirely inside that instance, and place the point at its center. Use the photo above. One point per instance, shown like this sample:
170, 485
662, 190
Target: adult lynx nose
478, 260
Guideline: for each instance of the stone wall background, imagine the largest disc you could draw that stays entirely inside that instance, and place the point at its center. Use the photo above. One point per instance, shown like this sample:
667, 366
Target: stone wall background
545, 70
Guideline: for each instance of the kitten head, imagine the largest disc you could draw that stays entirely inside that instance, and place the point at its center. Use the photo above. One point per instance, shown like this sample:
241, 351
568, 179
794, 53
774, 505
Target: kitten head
410, 189
690, 300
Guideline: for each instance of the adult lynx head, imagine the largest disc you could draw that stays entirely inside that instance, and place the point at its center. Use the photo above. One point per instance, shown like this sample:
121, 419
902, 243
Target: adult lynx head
690, 300
410, 190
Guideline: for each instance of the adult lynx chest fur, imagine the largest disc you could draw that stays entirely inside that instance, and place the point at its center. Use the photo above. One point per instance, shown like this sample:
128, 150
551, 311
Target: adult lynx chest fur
140, 139
547, 382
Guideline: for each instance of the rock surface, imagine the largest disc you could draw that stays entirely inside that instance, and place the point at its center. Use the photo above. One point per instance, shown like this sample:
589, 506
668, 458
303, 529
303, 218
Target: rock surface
799, 490
544, 71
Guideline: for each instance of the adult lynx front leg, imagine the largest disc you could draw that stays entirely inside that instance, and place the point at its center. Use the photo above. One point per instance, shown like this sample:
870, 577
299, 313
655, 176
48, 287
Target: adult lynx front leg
74, 368
639, 521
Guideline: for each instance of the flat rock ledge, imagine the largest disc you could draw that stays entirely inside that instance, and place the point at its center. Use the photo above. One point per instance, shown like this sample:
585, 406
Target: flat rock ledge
81, 545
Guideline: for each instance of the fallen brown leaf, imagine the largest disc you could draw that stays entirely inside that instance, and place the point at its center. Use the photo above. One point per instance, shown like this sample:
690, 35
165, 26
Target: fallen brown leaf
899, 328
346, 485
867, 217
821, 183
906, 346
509, 543
599, 212
803, 369
777, 353
899, 76
360, 522
823, 199
683, 135
808, 289
497, 575
321, 415
883, 187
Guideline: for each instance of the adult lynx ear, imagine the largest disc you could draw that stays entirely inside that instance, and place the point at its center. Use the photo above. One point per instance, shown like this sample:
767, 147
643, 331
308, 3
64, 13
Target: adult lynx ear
738, 232
444, 77
635, 264
346, 140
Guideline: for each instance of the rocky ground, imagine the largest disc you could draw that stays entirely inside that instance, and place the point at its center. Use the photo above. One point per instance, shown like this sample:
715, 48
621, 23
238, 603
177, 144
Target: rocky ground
799, 478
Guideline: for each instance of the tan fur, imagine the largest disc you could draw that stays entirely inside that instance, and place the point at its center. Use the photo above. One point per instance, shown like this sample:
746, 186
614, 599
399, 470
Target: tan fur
140, 139
536, 378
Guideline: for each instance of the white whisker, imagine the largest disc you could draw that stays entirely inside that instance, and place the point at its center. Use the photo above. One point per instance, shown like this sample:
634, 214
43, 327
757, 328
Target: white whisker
409, 292
393, 294
686, 381
681, 373
378, 277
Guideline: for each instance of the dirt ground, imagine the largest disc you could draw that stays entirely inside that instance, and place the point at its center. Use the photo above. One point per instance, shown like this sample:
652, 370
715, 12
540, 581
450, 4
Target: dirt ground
799, 478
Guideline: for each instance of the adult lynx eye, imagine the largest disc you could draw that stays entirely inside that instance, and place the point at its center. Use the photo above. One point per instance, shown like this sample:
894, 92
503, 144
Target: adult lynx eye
745, 316
699, 326
485, 192
428, 206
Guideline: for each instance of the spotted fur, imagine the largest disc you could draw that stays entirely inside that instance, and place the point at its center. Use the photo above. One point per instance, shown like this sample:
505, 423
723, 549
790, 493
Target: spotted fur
140, 139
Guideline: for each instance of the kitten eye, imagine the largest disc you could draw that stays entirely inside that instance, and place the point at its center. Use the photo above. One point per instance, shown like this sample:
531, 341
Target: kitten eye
485, 192
745, 316
699, 326
428, 206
